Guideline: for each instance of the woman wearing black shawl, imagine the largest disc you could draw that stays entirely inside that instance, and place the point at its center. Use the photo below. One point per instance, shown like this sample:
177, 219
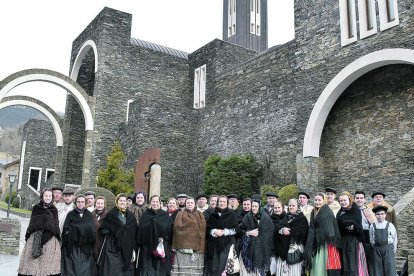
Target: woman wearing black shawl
292, 237
119, 228
221, 226
255, 244
41, 253
350, 225
78, 238
281, 244
99, 213
154, 241
321, 252
138, 206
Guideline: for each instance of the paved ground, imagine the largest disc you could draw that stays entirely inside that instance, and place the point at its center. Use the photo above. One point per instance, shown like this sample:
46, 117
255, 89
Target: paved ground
10, 263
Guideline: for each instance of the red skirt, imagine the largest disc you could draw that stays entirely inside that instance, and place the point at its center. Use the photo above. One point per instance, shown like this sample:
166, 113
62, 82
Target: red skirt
334, 259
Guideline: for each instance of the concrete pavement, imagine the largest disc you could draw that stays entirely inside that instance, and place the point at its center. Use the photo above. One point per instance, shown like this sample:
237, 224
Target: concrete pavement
10, 263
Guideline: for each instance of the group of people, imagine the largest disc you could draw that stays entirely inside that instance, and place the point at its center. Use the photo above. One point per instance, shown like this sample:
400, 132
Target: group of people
216, 235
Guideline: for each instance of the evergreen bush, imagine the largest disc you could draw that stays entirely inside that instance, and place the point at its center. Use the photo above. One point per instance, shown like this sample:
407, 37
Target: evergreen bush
287, 192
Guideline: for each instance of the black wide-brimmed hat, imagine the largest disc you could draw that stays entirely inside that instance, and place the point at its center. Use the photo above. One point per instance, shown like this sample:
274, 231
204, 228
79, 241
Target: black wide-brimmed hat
304, 193
272, 194
201, 195
379, 208
378, 193
232, 196
330, 190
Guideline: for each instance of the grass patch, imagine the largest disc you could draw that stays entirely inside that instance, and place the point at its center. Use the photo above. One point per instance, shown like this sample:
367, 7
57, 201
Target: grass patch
23, 211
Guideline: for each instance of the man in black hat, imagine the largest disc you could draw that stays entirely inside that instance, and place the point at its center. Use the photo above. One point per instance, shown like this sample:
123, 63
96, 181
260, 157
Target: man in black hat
383, 237
233, 201
303, 199
378, 199
271, 200
202, 203
57, 195
66, 206
90, 200
332, 203
181, 198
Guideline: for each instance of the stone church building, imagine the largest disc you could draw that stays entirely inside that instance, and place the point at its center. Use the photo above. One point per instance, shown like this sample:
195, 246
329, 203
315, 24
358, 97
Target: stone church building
333, 107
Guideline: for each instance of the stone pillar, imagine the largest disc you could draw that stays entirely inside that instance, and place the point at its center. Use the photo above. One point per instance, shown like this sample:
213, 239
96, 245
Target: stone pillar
9, 236
155, 180
87, 155
58, 177
309, 172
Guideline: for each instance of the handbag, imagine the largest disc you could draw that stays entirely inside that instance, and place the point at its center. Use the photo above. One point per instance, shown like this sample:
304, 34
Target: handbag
294, 255
233, 262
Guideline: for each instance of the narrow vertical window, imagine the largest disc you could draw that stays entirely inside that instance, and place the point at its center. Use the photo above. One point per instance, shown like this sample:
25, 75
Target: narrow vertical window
35, 176
388, 14
255, 17
231, 17
127, 110
200, 81
367, 18
347, 13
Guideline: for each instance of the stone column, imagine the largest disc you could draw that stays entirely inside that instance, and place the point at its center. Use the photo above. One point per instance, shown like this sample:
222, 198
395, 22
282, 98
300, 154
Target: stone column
58, 176
155, 180
309, 172
87, 155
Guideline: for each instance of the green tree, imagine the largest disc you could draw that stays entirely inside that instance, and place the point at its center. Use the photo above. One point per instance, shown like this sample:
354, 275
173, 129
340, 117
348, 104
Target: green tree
234, 174
115, 177
288, 192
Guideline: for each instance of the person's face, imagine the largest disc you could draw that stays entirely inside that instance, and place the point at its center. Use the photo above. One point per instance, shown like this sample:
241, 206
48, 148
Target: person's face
360, 200
201, 202
47, 196
278, 209
380, 216
122, 202
222, 202
129, 202
213, 202
234, 203
100, 204
303, 200
247, 205
155, 203
190, 204
255, 207
378, 199
57, 195
271, 200
90, 200
80, 202
344, 201
181, 201
293, 207
172, 204
330, 197
318, 201
140, 199
68, 198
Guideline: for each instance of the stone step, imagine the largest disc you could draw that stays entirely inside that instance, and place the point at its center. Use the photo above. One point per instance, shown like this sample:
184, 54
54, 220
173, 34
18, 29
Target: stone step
400, 264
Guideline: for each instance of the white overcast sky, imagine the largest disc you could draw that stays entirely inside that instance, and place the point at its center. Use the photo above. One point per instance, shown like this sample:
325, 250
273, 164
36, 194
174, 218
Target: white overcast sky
39, 33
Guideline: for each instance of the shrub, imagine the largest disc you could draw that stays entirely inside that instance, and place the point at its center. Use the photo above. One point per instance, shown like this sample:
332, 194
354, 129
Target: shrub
6, 199
115, 177
288, 192
16, 202
99, 191
234, 174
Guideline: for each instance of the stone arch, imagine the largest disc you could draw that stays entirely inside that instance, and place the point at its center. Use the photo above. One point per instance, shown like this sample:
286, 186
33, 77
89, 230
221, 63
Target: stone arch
338, 85
41, 107
56, 78
89, 44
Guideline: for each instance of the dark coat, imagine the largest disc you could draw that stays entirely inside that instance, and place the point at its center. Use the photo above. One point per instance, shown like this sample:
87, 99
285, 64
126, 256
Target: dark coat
120, 242
44, 219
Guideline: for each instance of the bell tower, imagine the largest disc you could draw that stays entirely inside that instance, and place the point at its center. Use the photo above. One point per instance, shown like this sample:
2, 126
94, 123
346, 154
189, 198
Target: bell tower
245, 23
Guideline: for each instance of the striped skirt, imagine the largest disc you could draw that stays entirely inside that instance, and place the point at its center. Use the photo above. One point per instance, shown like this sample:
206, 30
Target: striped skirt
188, 264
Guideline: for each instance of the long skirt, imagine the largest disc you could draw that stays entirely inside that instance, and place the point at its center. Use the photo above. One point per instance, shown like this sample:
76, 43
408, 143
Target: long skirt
76, 262
111, 262
283, 269
326, 262
150, 265
188, 264
47, 264
353, 257
216, 263
243, 270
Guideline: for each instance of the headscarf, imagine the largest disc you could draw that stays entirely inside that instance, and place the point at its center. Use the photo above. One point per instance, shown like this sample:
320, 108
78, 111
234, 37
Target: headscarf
134, 198
42, 202
80, 211
123, 210
258, 215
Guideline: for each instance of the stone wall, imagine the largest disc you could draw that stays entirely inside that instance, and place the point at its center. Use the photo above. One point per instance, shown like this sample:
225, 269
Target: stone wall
9, 236
40, 153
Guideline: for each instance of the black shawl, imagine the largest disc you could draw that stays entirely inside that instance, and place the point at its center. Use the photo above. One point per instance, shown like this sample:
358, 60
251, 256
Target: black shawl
228, 219
298, 225
281, 243
154, 225
256, 251
123, 234
323, 229
79, 231
351, 217
44, 219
